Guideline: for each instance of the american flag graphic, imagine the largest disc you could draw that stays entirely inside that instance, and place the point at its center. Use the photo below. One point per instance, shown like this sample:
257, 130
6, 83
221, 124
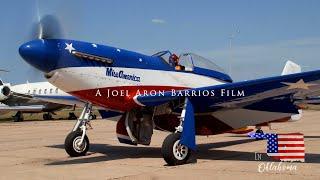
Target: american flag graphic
284, 147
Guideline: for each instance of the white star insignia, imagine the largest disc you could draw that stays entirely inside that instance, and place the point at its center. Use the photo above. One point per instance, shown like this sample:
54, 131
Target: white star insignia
69, 47
298, 85
94, 45
118, 50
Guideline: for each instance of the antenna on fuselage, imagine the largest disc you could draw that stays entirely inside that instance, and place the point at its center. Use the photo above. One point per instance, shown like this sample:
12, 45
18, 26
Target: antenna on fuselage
231, 37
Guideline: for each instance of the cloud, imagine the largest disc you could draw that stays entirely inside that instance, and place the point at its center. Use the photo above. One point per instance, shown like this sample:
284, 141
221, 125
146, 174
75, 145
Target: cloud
262, 60
158, 21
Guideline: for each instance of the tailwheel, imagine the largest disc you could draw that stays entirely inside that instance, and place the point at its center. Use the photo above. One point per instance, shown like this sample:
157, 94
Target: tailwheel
173, 152
75, 145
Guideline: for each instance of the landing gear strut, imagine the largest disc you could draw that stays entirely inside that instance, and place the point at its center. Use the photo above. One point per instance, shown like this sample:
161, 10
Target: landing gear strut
77, 142
173, 152
18, 117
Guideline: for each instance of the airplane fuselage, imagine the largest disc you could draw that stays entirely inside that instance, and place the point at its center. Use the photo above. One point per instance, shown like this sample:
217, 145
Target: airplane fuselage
78, 69
23, 95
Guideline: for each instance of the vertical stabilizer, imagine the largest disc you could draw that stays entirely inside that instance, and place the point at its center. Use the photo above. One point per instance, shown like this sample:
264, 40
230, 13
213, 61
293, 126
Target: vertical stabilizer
291, 68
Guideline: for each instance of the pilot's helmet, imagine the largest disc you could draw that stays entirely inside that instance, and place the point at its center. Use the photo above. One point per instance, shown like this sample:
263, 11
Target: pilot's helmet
174, 57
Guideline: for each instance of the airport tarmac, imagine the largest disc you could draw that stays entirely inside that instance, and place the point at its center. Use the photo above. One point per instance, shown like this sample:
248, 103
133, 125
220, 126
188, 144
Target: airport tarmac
34, 150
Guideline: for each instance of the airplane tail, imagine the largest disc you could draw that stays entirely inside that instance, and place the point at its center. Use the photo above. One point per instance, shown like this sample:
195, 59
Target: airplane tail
291, 68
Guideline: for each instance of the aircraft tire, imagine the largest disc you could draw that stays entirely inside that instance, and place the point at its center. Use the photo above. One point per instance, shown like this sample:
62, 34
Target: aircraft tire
45, 116
93, 117
18, 117
173, 152
71, 146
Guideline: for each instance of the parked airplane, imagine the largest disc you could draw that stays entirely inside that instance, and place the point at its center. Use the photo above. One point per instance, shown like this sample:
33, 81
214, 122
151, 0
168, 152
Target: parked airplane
189, 97
2, 112
36, 98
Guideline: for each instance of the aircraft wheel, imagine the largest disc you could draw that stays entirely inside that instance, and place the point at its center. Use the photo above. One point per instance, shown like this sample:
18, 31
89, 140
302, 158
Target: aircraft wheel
72, 144
72, 116
92, 117
173, 152
18, 117
45, 117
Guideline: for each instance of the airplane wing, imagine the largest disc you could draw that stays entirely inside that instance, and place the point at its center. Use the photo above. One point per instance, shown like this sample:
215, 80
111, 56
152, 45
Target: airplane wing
67, 100
241, 93
72, 100
241, 104
31, 108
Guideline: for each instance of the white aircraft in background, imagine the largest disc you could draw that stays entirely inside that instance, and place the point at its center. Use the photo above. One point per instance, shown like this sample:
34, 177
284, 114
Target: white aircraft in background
38, 97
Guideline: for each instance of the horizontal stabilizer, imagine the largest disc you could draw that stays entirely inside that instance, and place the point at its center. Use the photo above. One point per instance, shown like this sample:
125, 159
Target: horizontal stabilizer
108, 114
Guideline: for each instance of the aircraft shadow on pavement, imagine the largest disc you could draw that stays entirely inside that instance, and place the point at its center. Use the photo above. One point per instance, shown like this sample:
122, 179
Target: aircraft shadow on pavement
205, 151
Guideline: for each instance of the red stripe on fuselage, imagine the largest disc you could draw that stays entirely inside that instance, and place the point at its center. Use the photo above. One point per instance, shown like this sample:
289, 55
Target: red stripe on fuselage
120, 97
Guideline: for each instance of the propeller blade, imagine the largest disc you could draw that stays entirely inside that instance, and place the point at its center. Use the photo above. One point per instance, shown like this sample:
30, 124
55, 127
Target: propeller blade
47, 28
50, 28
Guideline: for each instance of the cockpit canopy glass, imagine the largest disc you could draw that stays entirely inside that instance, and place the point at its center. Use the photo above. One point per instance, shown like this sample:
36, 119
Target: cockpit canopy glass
190, 60
164, 55
201, 62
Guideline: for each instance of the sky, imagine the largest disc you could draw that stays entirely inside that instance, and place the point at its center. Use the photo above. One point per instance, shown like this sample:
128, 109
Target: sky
263, 34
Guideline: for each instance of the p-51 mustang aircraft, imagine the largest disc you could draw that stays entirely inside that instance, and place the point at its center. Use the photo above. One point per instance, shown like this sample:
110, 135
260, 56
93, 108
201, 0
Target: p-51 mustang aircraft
186, 95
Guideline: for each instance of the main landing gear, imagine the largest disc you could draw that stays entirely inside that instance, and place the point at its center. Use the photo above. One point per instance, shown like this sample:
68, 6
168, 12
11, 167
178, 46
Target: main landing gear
173, 152
47, 116
72, 116
18, 117
77, 142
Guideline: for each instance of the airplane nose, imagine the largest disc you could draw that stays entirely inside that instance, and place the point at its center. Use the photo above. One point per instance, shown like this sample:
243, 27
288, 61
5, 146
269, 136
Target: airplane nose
38, 54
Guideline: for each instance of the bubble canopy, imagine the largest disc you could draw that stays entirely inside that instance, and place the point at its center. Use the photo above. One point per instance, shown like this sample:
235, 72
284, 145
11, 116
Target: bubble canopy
196, 64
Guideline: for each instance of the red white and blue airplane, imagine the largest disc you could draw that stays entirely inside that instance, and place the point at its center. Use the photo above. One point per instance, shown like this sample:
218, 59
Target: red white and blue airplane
198, 98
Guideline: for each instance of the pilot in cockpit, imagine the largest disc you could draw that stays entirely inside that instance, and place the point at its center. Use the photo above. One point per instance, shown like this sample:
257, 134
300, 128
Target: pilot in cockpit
174, 60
